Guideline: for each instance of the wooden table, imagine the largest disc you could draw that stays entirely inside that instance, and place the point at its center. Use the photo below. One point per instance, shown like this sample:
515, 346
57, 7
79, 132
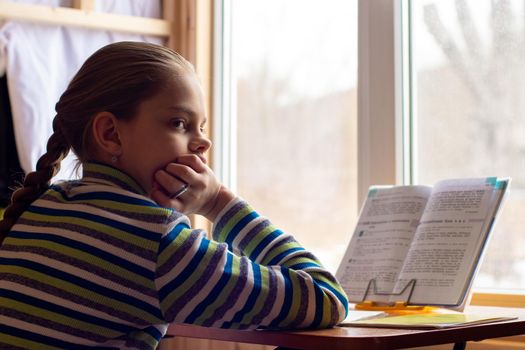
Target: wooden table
359, 338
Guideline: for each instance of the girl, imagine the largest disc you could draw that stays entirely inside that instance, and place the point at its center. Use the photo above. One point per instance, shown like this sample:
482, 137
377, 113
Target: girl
109, 260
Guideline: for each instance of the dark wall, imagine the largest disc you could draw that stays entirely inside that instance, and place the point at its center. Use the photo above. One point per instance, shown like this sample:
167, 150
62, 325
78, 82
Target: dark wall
11, 175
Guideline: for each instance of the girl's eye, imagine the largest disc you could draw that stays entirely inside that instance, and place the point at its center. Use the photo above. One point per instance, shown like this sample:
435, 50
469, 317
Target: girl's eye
178, 124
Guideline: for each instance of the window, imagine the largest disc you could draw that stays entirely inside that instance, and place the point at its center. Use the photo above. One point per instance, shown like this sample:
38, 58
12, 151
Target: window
460, 85
292, 139
468, 110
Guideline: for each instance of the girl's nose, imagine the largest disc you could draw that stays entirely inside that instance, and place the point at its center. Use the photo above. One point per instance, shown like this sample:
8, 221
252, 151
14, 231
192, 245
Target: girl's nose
200, 144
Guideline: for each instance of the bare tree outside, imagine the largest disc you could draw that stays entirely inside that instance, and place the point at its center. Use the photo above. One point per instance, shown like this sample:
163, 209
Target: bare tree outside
470, 110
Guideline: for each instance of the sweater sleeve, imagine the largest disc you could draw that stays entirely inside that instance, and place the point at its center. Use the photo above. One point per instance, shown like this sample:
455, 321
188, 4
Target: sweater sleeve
251, 275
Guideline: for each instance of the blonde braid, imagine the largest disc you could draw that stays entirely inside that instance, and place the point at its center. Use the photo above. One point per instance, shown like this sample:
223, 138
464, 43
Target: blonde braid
36, 182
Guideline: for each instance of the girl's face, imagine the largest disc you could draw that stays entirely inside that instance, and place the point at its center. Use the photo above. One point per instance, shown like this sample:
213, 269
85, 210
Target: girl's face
168, 125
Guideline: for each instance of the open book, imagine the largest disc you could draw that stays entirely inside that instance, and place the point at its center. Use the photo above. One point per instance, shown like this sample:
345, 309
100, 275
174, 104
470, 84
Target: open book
420, 244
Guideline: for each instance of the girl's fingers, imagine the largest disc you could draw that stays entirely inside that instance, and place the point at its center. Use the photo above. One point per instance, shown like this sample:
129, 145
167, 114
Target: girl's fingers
170, 189
182, 172
159, 195
170, 184
165, 201
197, 163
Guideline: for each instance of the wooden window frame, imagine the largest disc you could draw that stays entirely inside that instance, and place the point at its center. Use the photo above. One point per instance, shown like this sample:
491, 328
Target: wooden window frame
83, 15
192, 36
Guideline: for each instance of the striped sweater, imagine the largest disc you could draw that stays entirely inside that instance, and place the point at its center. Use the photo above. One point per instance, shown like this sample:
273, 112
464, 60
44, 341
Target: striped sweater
96, 263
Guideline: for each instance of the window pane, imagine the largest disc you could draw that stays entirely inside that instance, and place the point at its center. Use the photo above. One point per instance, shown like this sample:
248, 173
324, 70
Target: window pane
295, 65
470, 111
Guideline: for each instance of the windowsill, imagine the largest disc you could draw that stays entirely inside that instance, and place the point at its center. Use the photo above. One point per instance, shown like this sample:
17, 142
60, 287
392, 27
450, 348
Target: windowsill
499, 299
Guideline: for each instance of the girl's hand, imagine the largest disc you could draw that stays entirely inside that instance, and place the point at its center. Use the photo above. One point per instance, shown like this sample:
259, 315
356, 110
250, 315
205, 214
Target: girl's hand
204, 194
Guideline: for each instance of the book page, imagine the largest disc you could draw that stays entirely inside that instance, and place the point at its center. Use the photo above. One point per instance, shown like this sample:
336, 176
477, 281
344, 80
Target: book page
449, 240
381, 240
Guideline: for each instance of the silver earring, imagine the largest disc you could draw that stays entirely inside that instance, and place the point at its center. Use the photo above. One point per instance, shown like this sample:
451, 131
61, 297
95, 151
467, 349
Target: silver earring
114, 159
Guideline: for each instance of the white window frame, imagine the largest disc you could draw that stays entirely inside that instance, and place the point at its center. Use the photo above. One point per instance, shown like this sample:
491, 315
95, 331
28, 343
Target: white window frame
224, 126
379, 131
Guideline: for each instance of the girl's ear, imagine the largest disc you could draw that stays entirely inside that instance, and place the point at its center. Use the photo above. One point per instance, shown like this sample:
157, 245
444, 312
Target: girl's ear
105, 133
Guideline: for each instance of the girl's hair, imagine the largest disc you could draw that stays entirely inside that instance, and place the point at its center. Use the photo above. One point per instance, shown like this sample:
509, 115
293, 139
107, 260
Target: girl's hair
116, 79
